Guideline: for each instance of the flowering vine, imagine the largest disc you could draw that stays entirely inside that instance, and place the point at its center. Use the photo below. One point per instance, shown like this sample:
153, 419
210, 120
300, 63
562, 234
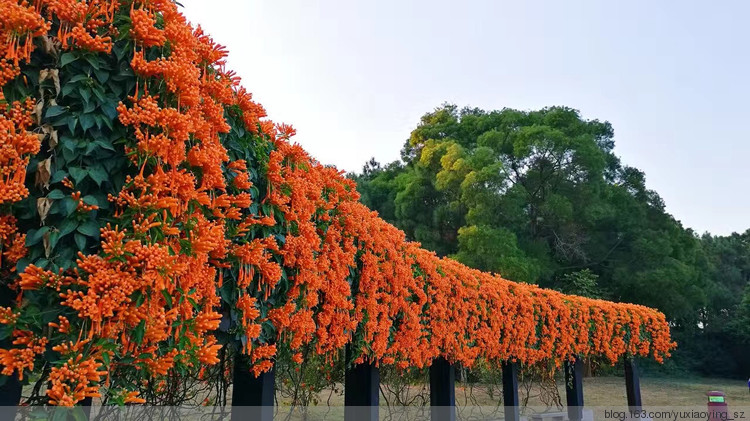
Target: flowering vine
151, 217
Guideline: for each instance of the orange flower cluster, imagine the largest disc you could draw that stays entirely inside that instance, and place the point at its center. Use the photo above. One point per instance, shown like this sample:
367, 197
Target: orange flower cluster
82, 206
324, 268
173, 212
412, 306
20, 23
17, 144
21, 358
74, 381
85, 24
7, 316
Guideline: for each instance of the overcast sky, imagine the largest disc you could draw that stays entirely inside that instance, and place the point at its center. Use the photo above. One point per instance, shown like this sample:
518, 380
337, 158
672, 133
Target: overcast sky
354, 77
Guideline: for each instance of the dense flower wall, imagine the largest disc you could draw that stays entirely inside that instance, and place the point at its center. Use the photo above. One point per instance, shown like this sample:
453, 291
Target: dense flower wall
150, 217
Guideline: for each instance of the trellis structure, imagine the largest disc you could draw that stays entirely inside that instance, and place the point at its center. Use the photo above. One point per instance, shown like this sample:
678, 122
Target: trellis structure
152, 219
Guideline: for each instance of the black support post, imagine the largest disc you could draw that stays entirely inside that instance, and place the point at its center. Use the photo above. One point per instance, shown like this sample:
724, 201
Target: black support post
86, 405
574, 388
442, 390
252, 397
10, 391
510, 391
361, 391
632, 384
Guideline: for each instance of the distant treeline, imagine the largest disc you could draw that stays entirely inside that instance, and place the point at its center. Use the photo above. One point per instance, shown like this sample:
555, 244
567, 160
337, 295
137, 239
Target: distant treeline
540, 197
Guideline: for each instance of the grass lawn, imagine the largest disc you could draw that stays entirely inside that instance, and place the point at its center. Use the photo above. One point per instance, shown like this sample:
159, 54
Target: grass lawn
606, 391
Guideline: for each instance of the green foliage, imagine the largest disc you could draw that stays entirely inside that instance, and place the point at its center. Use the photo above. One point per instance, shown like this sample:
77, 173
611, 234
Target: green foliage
84, 142
584, 283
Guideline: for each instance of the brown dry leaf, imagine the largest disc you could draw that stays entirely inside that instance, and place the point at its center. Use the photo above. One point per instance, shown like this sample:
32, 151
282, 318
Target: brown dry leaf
43, 173
51, 46
38, 110
43, 205
47, 44
53, 139
43, 74
55, 75
42, 78
47, 245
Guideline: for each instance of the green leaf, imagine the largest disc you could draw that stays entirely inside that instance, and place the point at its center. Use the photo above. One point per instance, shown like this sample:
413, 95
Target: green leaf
67, 58
22, 264
103, 120
58, 176
54, 237
102, 76
68, 205
54, 111
110, 110
68, 143
68, 89
99, 93
5, 332
85, 95
127, 360
88, 107
89, 229
87, 120
78, 174
167, 297
33, 237
55, 194
90, 200
139, 297
93, 61
78, 78
104, 145
139, 331
80, 241
98, 174
67, 226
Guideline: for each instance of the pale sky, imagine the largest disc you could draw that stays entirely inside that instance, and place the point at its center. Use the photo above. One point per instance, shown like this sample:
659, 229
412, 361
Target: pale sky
354, 77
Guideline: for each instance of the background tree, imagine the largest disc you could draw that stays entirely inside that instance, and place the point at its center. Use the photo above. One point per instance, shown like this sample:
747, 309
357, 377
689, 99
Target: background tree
541, 197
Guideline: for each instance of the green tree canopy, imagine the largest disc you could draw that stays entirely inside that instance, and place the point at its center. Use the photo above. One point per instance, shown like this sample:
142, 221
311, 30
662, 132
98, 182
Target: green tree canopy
541, 197
537, 196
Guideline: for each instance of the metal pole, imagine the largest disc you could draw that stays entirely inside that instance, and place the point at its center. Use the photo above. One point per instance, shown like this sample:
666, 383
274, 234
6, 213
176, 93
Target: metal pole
442, 390
510, 391
252, 397
10, 391
632, 384
574, 388
361, 391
